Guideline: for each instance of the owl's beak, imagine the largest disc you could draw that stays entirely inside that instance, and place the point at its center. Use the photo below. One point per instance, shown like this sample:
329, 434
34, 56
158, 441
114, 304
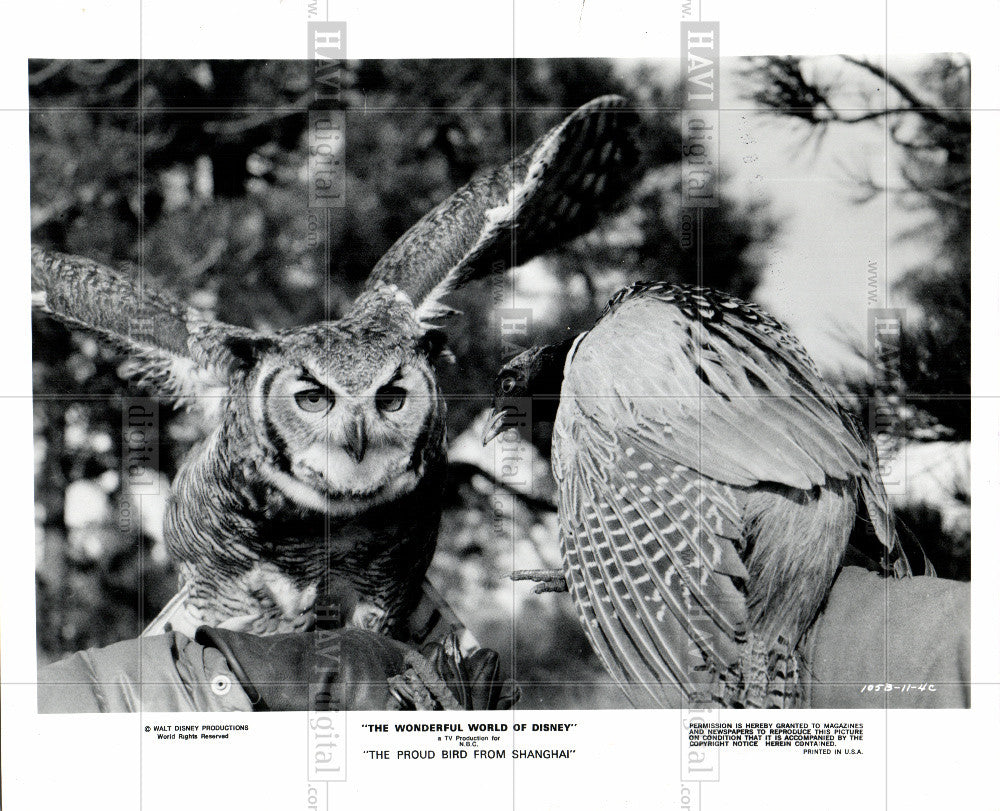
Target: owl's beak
356, 440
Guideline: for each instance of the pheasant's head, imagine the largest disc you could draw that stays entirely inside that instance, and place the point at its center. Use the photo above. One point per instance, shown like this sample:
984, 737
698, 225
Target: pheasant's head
527, 388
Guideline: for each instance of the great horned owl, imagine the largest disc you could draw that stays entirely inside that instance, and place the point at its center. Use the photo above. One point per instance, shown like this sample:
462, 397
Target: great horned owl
325, 467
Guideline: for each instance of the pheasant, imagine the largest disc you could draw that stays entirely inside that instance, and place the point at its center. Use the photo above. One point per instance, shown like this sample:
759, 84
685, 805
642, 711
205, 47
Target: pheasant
708, 485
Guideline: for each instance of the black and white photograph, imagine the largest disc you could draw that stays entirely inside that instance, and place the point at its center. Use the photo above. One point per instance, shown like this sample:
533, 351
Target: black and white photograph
600, 399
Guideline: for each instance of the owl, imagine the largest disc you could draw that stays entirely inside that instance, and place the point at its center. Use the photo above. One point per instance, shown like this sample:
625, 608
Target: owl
323, 472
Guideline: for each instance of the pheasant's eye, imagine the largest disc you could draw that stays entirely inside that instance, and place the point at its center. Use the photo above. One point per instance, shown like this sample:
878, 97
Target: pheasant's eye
390, 398
314, 400
507, 385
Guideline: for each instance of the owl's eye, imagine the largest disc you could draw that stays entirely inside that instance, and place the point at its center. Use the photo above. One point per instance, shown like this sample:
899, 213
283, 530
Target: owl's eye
314, 400
507, 385
390, 398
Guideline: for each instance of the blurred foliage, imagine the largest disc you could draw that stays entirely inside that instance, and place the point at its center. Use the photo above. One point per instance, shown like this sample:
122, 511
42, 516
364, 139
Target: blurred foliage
926, 387
926, 114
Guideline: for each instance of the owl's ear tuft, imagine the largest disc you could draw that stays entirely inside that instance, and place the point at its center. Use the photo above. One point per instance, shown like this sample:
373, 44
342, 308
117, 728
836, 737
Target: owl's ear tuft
434, 344
246, 350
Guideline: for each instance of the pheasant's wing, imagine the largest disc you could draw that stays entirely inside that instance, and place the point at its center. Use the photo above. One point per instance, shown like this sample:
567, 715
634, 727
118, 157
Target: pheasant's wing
551, 193
170, 349
675, 397
744, 402
717, 385
651, 561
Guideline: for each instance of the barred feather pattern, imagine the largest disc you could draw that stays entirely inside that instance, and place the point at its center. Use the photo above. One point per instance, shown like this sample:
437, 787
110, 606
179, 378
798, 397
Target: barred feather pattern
242, 543
553, 192
706, 496
247, 544
171, 350
248, 550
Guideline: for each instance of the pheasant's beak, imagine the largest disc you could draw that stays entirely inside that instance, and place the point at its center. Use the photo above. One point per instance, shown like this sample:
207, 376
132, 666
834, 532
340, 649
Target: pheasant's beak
500, 419
356, 440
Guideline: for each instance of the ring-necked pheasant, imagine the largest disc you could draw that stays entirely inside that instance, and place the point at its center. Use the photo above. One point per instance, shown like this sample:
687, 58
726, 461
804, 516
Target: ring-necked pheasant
708, 485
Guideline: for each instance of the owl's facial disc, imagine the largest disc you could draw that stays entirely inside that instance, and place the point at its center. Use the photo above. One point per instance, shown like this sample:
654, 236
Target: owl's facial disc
341, 444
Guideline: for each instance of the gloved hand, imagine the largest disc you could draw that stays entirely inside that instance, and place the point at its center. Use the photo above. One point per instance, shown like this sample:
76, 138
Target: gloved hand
473, 682
357, 669
911, 634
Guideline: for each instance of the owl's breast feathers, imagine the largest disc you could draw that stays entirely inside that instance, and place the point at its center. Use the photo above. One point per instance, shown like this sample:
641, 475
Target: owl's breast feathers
249, 549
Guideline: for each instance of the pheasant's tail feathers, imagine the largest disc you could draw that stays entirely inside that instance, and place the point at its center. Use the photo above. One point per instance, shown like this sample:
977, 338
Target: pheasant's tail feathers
784, 688
767, 677
553, 192
163, 341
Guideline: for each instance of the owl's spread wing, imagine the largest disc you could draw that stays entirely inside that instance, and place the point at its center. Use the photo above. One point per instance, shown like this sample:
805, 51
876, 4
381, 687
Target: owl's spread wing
551, 193
170, 349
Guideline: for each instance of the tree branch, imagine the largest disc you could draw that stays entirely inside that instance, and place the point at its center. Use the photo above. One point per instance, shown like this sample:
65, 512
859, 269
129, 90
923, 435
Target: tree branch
916, 104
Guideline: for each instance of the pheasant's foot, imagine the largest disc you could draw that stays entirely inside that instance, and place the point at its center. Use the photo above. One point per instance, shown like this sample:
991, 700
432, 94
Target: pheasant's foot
544, 579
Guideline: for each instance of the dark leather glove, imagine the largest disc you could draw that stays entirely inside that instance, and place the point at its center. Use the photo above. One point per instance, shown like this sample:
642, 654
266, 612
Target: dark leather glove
357, 669
474, 680
342, 669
